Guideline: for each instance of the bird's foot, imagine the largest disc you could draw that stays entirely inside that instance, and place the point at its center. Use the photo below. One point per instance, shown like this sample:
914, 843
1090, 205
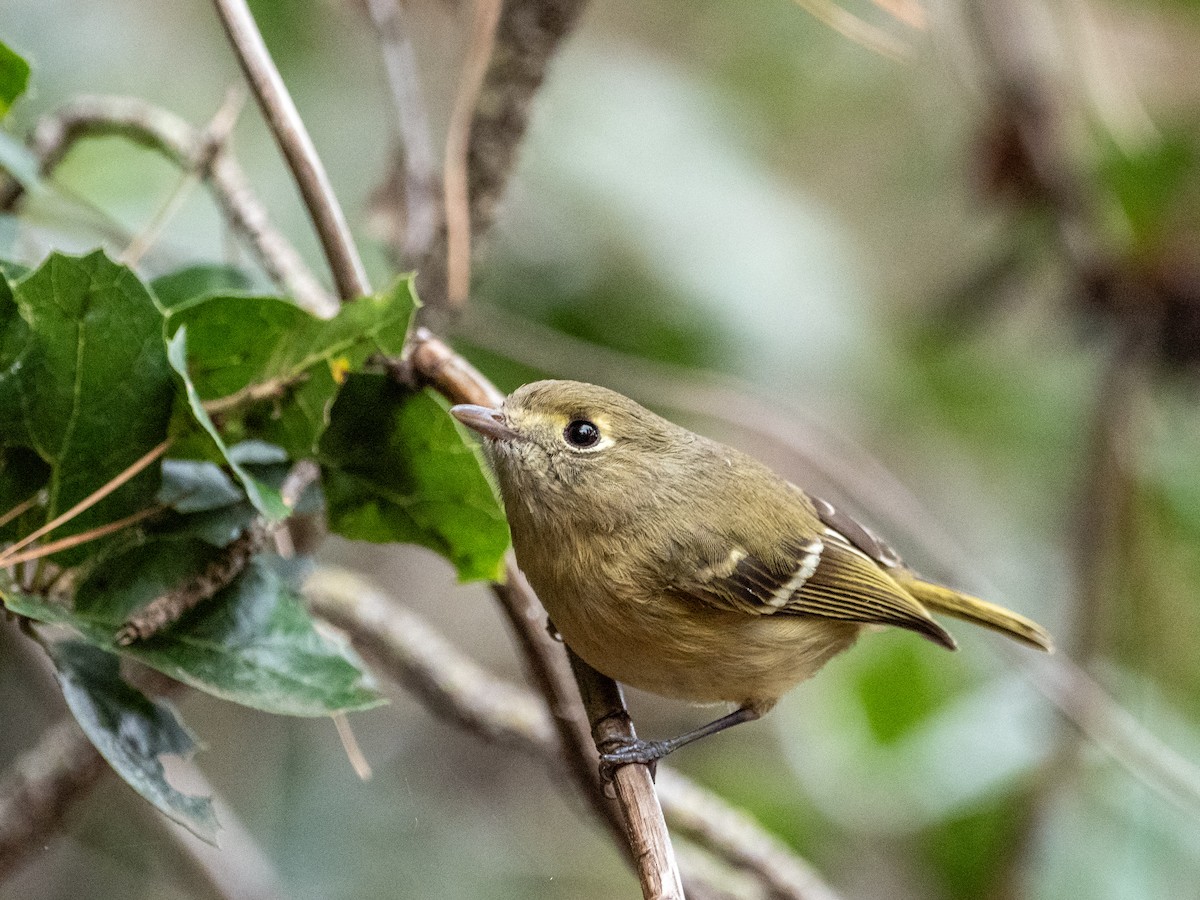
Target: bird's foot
632, 751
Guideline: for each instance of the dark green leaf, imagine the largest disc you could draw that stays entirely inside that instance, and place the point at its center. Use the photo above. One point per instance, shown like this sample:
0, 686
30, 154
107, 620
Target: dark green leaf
253, 643
204, 502
84, 382
22, 474
177, 288
265, 499
130, 731
238, 341
395, 468
14, 77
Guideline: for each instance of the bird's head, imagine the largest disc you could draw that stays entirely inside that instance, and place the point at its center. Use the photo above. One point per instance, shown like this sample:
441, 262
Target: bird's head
565, 444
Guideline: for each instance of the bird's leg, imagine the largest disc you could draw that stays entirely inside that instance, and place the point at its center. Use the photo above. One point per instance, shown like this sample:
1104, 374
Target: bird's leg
617, 753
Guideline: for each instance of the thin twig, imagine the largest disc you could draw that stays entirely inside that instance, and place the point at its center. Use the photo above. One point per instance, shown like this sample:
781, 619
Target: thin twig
529, 34
293, 139
420, 204
256, 392
216, 135
23, 507
83, 537
452, 685
87, 502
833, 15
166, 133
455, 188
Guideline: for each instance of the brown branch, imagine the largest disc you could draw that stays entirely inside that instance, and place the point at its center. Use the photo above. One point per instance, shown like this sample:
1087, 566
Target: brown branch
735, 837
452, 685
87, 502
458, 136
528, 36
39, 788
419, 191
429, 361
540, 651
272, 389
168, 608
166, 133
293, 139
647, 830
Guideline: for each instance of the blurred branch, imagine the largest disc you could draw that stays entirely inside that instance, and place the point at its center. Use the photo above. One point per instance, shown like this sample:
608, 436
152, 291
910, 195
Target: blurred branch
527, 36
454, 686
484, 23
419, 197
833, 15
40, 786
168, 134
293, 139
215, 136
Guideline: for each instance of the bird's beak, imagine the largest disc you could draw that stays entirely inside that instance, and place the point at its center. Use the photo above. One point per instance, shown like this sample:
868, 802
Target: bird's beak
488, 422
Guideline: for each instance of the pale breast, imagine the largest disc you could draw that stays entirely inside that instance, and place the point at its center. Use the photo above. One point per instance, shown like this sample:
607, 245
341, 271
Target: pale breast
699, 655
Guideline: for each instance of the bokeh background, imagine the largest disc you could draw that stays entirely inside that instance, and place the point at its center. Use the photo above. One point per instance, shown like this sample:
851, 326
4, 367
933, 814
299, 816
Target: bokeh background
815, 251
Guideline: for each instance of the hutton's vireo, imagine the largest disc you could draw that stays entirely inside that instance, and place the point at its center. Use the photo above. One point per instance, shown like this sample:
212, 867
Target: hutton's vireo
678, 565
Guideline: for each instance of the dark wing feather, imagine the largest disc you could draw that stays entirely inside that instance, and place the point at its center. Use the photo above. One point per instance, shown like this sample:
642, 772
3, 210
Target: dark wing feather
832, 578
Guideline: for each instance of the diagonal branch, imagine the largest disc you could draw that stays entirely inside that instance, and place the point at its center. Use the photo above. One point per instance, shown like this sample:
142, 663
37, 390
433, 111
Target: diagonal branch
293, 139
452, 685
543, 655
168, 134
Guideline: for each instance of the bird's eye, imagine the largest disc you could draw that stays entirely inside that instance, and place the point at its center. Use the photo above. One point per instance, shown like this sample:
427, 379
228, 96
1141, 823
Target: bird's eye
581, 433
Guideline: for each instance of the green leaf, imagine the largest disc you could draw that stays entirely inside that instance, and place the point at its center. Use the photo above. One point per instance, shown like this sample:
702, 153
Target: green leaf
238, 341
396, 468
131, 731
1147, 183
14, 77
177, 288
84, 382
253, 643
22, 474
265, 499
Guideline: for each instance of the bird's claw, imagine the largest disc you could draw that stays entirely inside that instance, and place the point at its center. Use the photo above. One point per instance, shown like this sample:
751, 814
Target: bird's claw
633, 751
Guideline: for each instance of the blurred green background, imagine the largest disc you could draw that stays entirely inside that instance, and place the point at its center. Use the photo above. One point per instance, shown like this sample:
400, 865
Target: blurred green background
729, 187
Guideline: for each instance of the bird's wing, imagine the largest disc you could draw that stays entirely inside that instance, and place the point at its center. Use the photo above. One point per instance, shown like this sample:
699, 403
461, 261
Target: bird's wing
828, 576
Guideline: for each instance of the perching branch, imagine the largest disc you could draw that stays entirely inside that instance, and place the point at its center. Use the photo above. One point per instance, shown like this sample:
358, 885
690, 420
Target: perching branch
452, 685
543, 655
166, 133
293, 139
647, 831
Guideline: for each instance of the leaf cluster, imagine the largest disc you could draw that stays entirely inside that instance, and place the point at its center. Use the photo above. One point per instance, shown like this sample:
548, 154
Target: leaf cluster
99, 371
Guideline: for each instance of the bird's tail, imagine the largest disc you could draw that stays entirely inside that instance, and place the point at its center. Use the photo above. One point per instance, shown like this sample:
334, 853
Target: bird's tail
980, 612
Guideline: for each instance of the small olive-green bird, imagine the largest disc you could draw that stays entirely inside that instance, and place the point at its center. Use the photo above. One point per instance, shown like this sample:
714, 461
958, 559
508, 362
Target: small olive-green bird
678, 565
